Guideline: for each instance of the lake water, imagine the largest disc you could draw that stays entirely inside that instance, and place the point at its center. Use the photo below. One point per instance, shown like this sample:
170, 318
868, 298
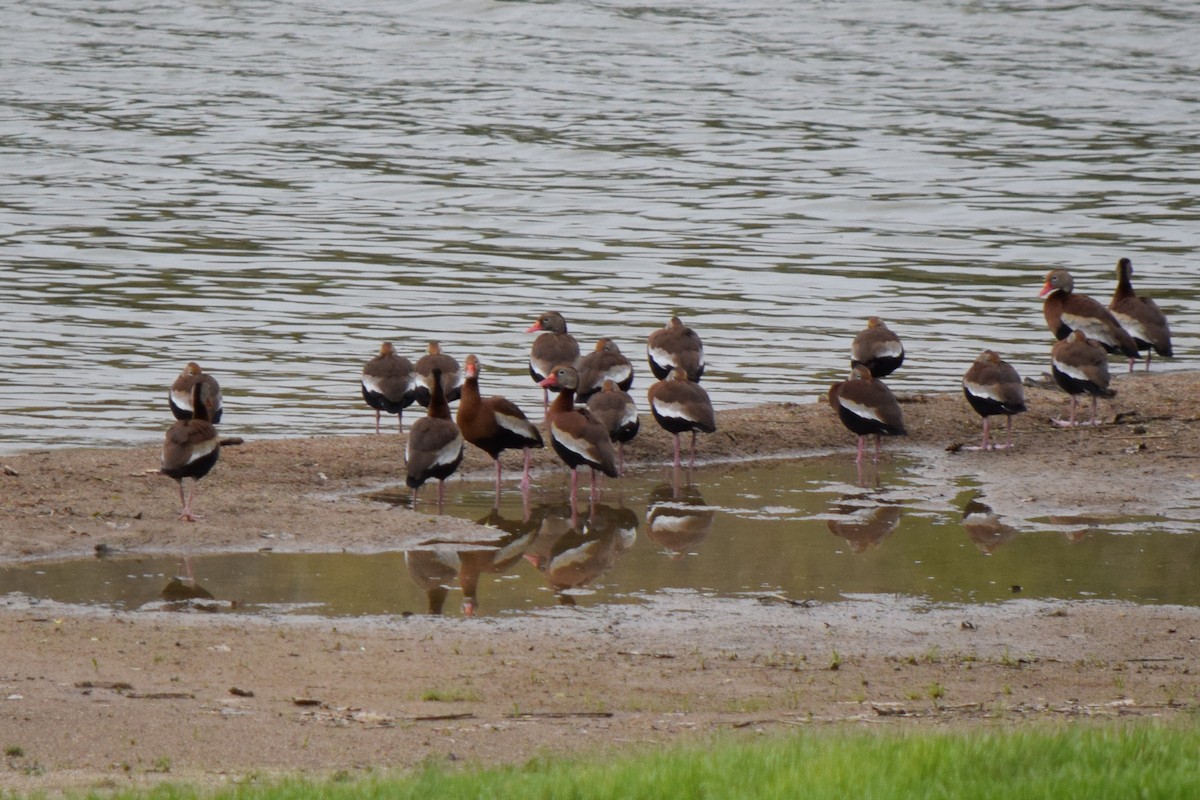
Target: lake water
272, 188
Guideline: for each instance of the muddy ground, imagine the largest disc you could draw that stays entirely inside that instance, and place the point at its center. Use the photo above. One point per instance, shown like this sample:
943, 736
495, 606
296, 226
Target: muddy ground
94, 698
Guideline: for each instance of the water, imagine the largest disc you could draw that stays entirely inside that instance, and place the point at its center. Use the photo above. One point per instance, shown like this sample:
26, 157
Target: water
798, 531
273, 188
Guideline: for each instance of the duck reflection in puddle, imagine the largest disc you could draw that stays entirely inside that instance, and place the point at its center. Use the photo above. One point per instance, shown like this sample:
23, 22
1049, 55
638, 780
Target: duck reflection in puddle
571, 557
984, 526
436, 568
678, 520
863, 526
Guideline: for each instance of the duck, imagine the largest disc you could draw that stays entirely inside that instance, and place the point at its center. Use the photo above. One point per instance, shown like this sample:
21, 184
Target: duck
613, 408
877, 348
866, 407
435, 444
1066, 311
993, 387
1141, 317
179, 398
553, 348
451, 375
680, 405
1080, 366
389, 384
190, 450
577, 437
675, 345
604, 363
494, 424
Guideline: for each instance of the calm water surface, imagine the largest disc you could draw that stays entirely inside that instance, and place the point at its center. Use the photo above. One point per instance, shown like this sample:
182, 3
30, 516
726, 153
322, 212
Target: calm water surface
273, 188
787, 530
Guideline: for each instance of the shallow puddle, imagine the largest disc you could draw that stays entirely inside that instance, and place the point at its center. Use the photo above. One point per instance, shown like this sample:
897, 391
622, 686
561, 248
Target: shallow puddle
786, 531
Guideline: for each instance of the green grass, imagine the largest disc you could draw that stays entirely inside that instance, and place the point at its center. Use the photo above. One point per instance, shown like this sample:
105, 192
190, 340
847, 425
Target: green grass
1112, 761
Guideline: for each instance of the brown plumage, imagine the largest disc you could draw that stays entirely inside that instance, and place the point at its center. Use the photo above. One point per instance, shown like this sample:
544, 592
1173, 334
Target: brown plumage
179, 398
877, 348
494, 424
1080, 366
675, 345
388, 384
866, 407
1141, 317
435, 445
606, 362
553, 348
434, 358
577, 438
678, 405
613, 408
993, 387
190, 450
1066, 311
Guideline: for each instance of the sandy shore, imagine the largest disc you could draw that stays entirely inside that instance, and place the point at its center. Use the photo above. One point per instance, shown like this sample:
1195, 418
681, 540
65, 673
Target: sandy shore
103, 699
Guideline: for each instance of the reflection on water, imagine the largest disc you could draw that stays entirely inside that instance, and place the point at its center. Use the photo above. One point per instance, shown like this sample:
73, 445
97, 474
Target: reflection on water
739, 530
272, 189
864, 527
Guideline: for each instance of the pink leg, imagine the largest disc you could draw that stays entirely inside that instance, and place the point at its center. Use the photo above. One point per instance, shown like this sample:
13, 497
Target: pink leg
878, 444
1094, 421
441, 495
595, 488
677, 452
187, 514
1149, 355
858, 460
525, 474
692, 459
986, 422
400, 423
1008, 436
377, 420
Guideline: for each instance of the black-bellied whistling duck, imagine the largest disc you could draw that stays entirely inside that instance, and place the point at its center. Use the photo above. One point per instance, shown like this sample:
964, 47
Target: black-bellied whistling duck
866, 407
180, 396
615, 410
679, 405
434, 358
388, 384
1066, 311
494, 424
435, 445
1080, 366
578, 439
675, 345
993, 387
606, 362
190, 450
877, 348
1140, 317
553, 348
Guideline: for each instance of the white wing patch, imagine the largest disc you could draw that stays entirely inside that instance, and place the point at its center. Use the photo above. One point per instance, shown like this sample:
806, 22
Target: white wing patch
1070, 371
369, 382
182, 399
201, 449
1133, 326
449, 453
521, 427
983, 391
1090, 327
673, 410
630, 415
662, 357
581, 447
859, 410
889, 350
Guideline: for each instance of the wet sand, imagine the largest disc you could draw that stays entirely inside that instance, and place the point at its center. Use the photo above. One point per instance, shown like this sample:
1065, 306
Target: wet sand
97, 698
